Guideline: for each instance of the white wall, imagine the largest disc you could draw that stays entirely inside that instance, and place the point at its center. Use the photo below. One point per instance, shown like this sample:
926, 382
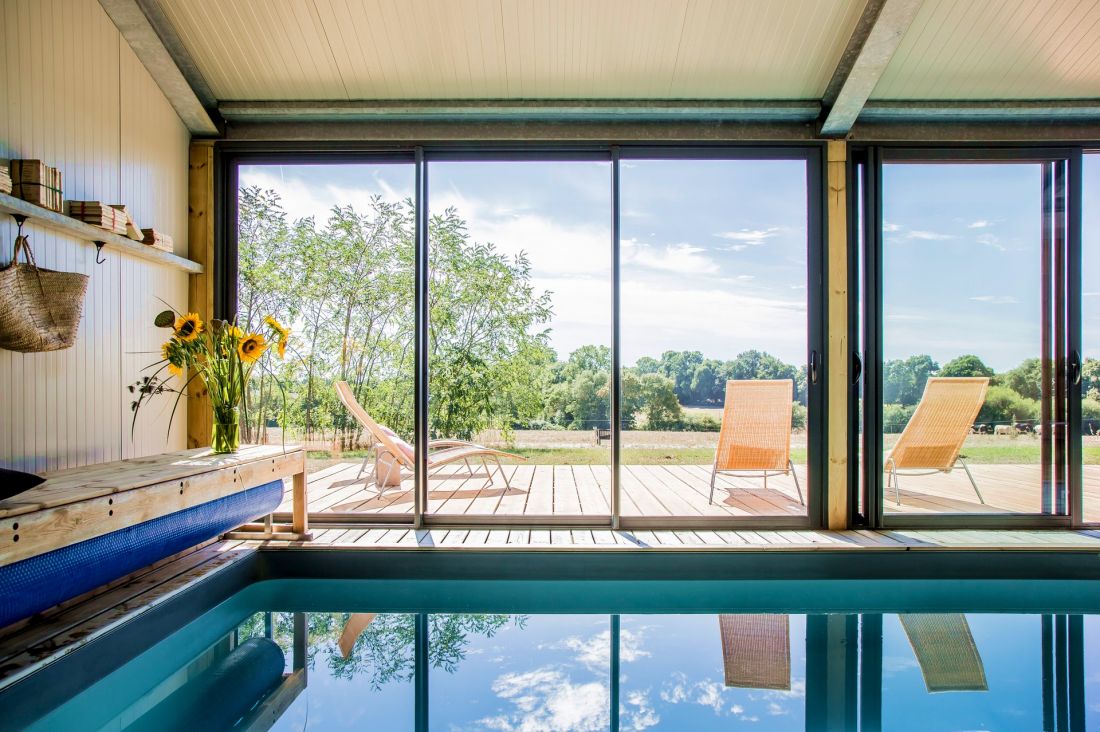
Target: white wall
72, 93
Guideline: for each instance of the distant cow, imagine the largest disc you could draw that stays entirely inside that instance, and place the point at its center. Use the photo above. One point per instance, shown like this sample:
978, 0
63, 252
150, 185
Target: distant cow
1004, 429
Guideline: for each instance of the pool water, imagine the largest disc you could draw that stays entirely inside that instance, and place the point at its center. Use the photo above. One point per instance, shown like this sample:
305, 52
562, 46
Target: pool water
258, 662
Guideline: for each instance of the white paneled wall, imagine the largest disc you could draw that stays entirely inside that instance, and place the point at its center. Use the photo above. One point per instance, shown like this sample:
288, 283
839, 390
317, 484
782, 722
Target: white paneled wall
72, 93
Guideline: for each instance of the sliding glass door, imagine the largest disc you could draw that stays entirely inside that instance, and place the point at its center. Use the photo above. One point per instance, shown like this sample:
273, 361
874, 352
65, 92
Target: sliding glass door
328, 250
520, 293
589, 337
716, 351
968, 336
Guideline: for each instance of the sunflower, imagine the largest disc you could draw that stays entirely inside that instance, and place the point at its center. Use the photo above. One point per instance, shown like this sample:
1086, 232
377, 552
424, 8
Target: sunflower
252, 347
234, 332
188, 327
169, 350
278, 327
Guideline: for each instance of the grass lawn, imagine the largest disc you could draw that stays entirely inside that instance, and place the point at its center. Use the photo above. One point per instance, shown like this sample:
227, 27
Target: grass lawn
974, 454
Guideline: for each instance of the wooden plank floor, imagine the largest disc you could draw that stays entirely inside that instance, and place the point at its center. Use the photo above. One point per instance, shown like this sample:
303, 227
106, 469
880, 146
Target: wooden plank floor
662, 490
805, 540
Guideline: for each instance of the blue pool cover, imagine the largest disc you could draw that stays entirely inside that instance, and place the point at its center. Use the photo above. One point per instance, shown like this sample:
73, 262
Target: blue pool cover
34, 584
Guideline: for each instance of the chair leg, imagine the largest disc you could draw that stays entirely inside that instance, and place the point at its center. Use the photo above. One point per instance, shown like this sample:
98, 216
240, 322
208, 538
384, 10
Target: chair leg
972, 483
366, 461
796, 485
488, 475
468, 468
713, 475
507, 483
897, 485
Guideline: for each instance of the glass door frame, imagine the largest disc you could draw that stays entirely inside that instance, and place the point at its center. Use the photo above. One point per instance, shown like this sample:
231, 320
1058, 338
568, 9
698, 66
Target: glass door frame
866, 297
230, 155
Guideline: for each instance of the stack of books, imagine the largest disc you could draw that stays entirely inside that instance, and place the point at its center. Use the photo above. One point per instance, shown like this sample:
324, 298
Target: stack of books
156, 239
132, 230
99, 214
36, 182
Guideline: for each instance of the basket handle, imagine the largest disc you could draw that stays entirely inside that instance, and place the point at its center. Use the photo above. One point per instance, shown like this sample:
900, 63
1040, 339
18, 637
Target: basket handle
22, 243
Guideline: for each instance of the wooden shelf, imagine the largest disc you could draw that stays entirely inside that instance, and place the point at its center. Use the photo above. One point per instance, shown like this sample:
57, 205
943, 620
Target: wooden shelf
67, 225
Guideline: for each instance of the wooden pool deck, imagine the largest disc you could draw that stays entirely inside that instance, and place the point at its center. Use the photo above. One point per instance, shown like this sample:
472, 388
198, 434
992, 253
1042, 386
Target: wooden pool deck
659, 490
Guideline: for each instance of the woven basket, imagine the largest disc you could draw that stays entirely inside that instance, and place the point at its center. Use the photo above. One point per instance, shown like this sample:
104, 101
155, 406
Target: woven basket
39, 308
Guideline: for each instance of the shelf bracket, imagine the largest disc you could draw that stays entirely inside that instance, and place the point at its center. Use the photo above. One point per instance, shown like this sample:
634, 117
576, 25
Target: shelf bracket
99, 252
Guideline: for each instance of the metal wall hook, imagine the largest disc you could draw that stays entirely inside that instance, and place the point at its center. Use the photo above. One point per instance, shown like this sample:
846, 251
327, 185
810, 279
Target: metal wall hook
20, 219
98, 252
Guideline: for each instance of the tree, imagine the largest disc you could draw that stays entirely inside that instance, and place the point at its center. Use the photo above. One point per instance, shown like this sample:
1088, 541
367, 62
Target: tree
680, 367
903, 380
968, 365
661, 407
1026, 379
484, 320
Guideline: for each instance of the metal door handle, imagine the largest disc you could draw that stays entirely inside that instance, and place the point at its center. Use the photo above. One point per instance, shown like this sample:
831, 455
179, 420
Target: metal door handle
813, 367
857, 367
1075, 368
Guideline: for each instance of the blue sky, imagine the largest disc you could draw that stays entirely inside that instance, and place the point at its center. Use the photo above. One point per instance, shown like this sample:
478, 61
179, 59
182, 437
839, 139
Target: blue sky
713, 252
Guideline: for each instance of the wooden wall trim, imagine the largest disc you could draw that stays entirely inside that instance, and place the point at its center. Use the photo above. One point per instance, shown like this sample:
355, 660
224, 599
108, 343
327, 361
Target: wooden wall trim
837, 361
200, 248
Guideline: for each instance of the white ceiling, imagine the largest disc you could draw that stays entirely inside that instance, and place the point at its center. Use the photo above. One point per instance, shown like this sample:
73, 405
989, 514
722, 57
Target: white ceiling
515, 49
997, 49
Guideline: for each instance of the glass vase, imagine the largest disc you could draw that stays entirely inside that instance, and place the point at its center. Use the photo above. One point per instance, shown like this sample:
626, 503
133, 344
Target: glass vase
226, 433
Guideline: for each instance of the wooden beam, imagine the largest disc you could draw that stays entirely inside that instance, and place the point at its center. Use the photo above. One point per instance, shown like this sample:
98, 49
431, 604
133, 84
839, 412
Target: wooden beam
877, 36
134, 25
837, 361
200, 248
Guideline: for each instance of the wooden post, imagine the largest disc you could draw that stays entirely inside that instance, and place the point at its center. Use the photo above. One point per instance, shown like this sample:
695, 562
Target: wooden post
838, 358
300, 516
200, 248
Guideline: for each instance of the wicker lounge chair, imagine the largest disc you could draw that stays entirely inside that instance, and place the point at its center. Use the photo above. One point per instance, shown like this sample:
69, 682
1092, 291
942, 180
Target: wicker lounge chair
931, 441
945, 649
756, 432
392, 453
353, 628
756, 651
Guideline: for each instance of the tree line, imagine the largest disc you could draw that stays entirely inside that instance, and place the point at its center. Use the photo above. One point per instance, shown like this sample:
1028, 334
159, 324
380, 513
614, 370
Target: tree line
1013, 396
346, 286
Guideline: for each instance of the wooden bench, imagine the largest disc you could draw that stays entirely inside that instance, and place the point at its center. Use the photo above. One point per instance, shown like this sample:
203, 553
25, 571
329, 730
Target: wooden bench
135, 504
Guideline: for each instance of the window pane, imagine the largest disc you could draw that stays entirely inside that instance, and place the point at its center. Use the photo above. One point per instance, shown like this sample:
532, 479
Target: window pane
961, 290
328, 250
520, 337
1090, 339
714, 274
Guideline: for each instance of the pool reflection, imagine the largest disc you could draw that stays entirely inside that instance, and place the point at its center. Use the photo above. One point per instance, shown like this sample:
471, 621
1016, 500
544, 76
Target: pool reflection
484, 671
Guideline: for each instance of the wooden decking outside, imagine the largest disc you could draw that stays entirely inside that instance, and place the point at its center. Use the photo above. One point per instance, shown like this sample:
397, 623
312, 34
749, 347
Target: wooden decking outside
659, 490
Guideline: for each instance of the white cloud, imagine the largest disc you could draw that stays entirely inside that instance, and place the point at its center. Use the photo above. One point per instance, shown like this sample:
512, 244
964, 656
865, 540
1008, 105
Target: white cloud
928, 235
595, 652
546, 700
748, 237
638, 713
995, 299
890, 227
979, 224
990, 240
706, 693
300, 199
682, 258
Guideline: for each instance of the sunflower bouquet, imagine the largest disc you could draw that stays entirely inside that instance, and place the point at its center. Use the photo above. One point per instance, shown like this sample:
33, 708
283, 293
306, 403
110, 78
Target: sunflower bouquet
223, 356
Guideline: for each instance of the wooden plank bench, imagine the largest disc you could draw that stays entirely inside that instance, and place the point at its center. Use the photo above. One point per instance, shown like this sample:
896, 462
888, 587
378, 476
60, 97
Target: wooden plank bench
139, 504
